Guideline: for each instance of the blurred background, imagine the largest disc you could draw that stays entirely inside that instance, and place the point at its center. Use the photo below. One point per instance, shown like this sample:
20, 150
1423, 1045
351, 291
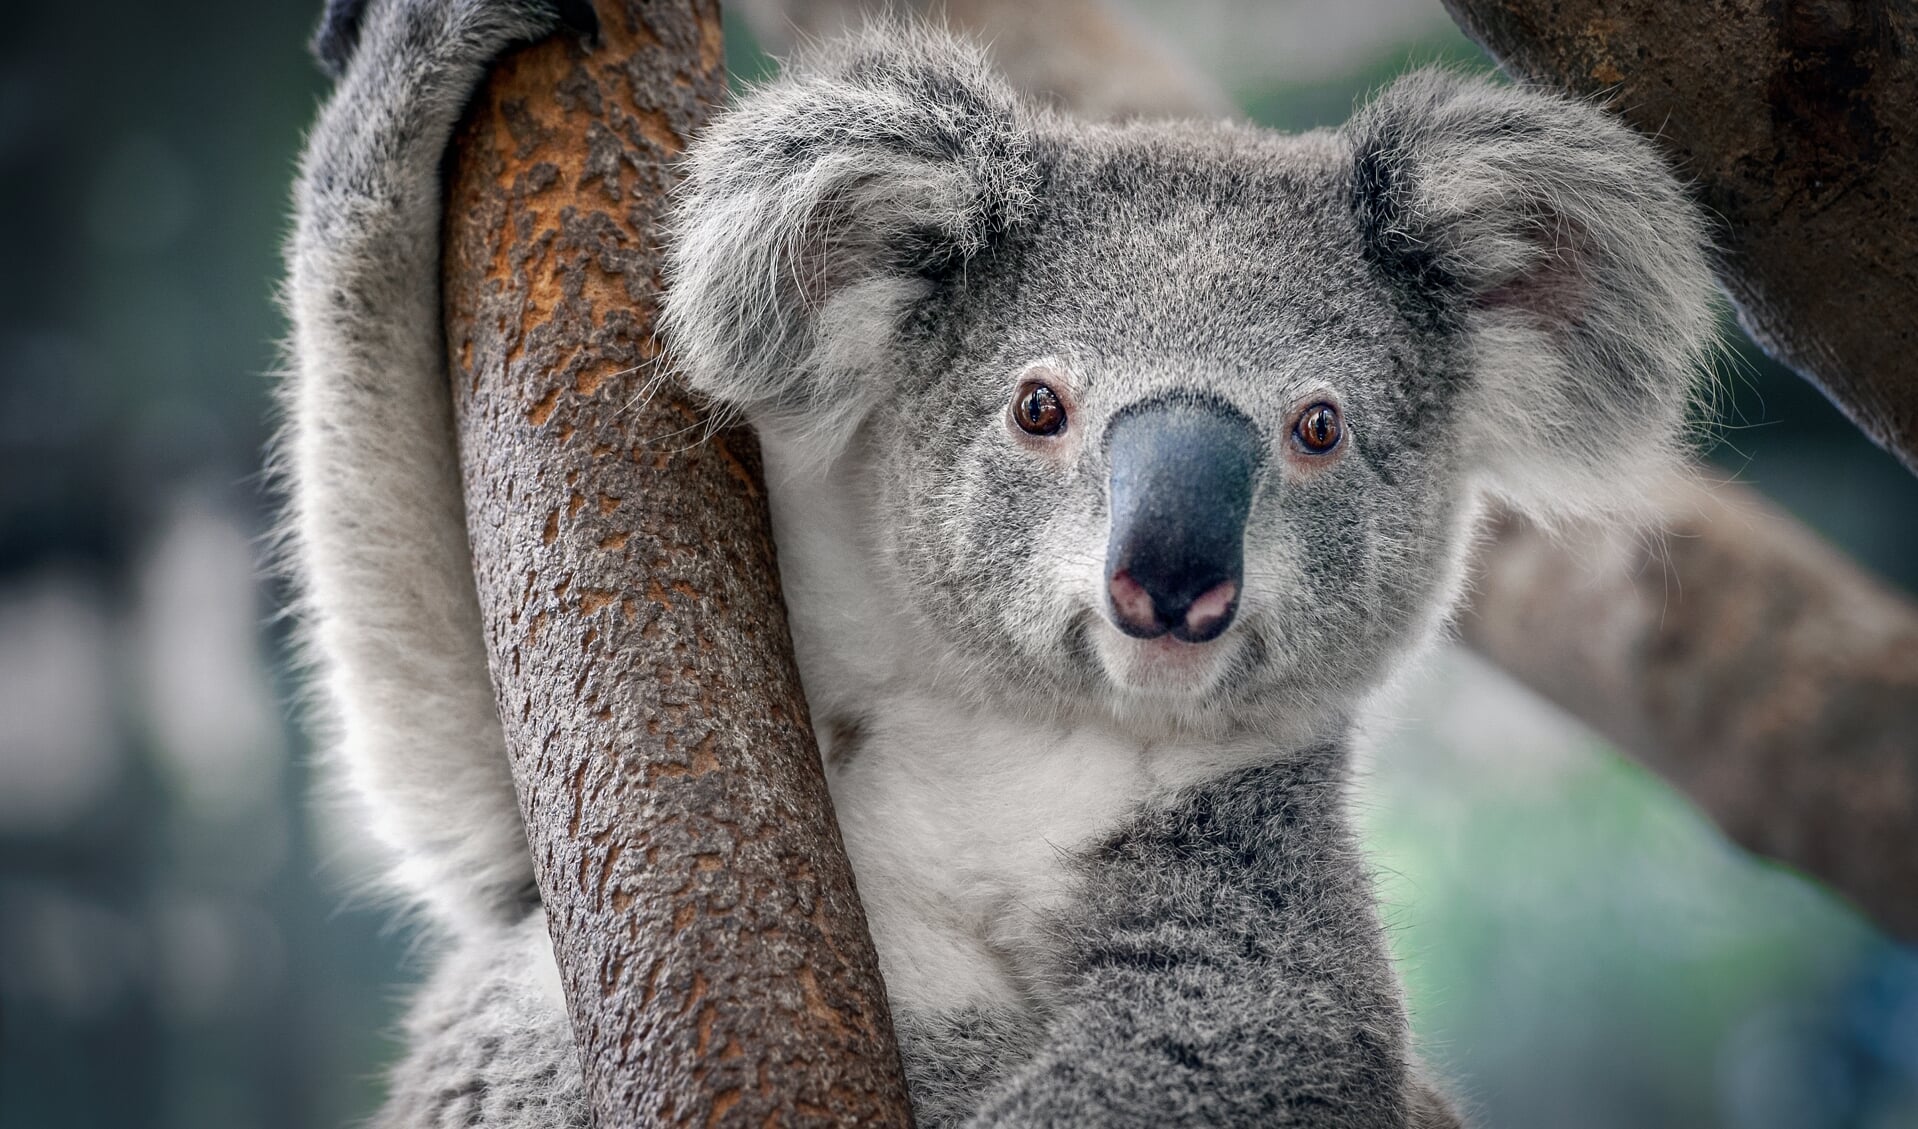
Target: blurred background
180, 941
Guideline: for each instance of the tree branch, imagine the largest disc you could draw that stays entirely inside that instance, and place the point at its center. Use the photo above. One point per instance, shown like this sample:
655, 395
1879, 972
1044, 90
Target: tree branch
1083, 55
715, 959
1743, 659
1800, 123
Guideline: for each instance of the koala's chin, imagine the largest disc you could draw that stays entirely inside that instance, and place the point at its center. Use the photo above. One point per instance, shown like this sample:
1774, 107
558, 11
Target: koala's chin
1163, 670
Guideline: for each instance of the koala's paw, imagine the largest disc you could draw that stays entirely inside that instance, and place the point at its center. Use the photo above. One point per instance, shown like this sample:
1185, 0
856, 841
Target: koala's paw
461, 31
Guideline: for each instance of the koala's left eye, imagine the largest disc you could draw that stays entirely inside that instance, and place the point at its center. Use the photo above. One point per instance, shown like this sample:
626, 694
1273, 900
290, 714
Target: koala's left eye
1319, 428
1038, 410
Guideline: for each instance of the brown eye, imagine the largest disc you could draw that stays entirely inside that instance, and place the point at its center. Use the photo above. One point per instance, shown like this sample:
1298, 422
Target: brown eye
1318, 428
1038, 409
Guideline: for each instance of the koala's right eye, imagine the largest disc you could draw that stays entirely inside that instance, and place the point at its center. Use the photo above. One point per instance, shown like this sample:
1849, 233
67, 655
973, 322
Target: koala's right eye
1038, 410
1318, 429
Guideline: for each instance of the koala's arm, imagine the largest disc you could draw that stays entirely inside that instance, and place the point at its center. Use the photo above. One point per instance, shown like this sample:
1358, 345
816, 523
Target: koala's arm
376, 529
1229, 970
489, 1041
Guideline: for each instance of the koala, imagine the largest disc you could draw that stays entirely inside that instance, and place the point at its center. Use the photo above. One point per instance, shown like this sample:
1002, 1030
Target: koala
1116, 469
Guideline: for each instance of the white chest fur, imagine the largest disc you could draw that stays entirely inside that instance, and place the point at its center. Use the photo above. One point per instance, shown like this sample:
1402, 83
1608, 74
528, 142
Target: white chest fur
959, 819
958, 825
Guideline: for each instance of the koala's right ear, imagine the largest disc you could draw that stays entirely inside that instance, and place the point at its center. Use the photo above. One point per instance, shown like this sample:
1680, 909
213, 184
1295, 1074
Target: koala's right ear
1564, 251
820, 210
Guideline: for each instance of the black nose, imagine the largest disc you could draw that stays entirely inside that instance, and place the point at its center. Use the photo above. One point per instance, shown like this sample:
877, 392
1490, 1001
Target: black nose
1181, 486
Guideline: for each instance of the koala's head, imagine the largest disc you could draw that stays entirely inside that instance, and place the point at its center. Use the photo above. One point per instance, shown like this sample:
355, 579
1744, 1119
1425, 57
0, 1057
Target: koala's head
1182, 417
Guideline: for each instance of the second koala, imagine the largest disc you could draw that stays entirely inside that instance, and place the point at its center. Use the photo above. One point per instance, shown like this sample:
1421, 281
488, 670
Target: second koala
1114, 468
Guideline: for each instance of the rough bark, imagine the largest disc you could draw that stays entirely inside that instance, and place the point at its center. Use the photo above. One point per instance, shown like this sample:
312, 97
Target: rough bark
1760, 672
714, 956
1799, 122
1743, 659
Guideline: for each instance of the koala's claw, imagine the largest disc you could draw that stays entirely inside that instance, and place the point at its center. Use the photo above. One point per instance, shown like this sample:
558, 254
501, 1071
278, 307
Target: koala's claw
580, 16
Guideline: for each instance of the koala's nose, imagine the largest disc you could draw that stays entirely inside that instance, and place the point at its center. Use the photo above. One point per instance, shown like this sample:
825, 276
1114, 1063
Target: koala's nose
1181, 486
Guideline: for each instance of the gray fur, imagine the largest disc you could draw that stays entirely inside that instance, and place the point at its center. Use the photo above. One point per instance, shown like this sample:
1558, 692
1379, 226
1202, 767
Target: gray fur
377, 529
853, 190
1566, 254
1226, 969
489, 1041
1107, 889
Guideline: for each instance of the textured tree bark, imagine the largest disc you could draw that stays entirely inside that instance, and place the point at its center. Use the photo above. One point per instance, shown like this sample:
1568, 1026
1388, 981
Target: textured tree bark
1732, 651
1800, 123
1743, 659
715, 959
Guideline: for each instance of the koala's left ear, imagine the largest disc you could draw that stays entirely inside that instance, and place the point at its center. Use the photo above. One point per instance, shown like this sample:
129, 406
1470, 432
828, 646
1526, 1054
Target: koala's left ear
823, 209
1555, 241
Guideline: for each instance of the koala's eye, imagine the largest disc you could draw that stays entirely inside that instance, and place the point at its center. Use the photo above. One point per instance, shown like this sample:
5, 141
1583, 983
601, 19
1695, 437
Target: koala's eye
1038, 409
1318, 429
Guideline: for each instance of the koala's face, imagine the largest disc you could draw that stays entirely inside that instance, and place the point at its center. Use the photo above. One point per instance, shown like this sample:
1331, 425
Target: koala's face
1175, 418
1171, 444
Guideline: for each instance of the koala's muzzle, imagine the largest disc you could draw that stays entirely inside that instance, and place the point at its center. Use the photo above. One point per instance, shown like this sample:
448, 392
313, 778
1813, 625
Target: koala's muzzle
1181, 486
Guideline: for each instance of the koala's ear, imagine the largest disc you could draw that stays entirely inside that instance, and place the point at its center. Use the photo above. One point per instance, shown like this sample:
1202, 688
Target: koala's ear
1555, 241
823, 208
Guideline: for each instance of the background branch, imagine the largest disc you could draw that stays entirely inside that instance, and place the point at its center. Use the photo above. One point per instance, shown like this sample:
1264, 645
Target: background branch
715, 959
1086, 56
1742, 658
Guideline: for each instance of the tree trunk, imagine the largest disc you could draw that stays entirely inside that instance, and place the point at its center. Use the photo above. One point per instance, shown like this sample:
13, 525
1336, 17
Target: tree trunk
715, 958
1729, 648
1800, 124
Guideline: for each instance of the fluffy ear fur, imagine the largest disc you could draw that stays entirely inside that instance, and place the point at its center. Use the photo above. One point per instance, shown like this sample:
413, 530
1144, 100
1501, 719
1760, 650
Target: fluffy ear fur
1562, 247
819, 211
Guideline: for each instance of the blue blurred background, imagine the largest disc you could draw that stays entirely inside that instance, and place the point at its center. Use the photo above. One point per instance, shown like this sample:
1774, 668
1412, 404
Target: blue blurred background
180, 944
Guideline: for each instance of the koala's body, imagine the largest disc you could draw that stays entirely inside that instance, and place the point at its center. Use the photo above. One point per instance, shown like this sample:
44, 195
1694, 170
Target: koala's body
1114, 469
